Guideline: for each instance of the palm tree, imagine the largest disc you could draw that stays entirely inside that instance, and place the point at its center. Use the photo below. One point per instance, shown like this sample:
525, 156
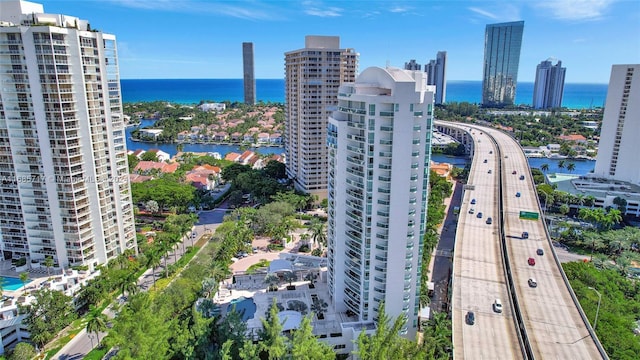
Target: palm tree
153, 258
129, 285
96, 324
219, 272
48, 262
209, 285
24, 276
544, 167
319, 233
571, 167
561, 164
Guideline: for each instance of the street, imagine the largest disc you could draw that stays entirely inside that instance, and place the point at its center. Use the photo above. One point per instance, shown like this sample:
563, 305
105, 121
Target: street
84, 342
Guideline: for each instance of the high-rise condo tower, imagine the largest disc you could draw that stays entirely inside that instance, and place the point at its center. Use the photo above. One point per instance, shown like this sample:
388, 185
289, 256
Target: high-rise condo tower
249, 74
437, 75
65, 190
379, 152
502, 43
617, 152
549, 85
312, 78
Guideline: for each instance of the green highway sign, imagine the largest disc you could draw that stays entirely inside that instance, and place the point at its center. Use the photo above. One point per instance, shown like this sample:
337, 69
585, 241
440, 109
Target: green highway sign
529, 215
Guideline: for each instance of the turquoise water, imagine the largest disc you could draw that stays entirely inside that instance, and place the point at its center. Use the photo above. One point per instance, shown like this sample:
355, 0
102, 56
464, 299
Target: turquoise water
12, 284
244, 306
191, 91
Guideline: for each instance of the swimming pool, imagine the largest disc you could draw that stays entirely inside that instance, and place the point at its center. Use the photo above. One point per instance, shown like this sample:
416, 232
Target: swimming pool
244, 306
11, 283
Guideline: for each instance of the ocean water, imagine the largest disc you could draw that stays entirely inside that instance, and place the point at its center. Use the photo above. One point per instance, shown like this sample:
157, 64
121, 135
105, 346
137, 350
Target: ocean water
192, 91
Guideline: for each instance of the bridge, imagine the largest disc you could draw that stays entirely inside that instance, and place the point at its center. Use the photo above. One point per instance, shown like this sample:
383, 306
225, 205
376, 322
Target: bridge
492, 261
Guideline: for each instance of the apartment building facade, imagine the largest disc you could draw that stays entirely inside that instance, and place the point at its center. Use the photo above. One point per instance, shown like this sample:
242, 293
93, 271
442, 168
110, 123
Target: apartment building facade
379, 153
437, 75
548, 88
65, 191
617, 153
312, 77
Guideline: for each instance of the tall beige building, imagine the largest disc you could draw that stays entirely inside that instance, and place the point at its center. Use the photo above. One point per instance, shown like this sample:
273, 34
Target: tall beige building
65, 191
312, 78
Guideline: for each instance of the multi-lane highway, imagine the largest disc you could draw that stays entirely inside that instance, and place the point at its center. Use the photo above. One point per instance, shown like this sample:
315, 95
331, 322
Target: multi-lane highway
477, 268
492, 261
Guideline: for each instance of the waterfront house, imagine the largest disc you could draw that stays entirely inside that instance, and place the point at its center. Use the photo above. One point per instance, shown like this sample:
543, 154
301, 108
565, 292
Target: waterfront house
236, 137
220, 136
183, 135
150, 133
248, 138
263, 138
275, 139
232, 156
160, 155
573, 137
245, 158
138, 153
146, 167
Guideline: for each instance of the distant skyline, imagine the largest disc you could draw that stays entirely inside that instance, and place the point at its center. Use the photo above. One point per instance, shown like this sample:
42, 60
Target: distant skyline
182, 39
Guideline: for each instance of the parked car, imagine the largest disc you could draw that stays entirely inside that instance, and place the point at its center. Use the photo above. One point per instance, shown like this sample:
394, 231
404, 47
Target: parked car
514, 172
471, 318
532, 282
489, 220
532, 261
489, 172
479, 215
497, 305
525, 235
518, 194
473, 201
490, 151
521, 177
472, 210
485, 161
540, 252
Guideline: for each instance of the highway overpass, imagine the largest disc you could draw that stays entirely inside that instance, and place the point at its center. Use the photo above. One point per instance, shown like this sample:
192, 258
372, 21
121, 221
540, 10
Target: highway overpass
491, 261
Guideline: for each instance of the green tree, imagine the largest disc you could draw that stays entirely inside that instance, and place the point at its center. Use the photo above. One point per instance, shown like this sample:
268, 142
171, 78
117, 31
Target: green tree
305, 346
141, 331
571, 167
152, 260
48, 262
272, 345
23, 351
149, 156
50, 312
24, 276
97, 323
319, 233
544, 167
133, 162
152, 206
386, 343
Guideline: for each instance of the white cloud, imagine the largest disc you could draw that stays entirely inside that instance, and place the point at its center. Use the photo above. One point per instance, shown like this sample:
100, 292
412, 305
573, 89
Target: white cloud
399, 9
576, 9
252, 10
483, 13
316, 8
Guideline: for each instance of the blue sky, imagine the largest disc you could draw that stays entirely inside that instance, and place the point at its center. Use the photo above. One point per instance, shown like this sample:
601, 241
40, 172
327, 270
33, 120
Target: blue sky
203, 39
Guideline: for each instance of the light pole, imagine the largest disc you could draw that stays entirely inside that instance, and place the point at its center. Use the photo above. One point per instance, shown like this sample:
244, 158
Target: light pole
595, 322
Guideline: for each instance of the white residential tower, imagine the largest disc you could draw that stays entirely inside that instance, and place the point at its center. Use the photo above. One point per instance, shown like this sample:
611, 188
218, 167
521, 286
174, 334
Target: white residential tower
65, 193
617, 152
379, 152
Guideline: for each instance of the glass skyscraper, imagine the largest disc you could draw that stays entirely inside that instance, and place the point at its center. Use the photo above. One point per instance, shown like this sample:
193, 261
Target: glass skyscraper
502, 43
